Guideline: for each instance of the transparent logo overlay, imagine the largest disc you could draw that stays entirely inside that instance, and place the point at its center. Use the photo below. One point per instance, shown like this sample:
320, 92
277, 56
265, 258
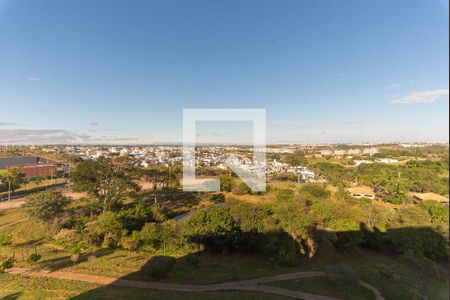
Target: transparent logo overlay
254, 174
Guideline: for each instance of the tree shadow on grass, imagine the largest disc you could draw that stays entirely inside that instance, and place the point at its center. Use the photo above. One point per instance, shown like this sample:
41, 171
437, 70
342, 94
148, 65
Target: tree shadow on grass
58, 263
33, 243
279, 248
11, 296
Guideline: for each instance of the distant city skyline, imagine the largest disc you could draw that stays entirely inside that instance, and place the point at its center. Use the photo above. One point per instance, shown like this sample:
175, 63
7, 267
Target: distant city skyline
120, 72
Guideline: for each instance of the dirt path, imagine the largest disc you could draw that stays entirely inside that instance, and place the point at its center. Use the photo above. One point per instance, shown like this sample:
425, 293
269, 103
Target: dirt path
11, 204
245, 285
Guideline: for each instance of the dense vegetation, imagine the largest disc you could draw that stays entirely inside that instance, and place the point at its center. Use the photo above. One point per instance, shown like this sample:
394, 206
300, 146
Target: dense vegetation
288, 225
396, 181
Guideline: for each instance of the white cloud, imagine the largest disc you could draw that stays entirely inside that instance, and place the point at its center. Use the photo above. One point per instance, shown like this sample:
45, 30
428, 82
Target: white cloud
422, 97
54, 136
347, 121
392, 86
34, 78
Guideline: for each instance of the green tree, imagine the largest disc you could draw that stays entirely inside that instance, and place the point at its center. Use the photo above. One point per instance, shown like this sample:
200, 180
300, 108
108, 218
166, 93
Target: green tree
11, 178
150, 235
106, 230
294, 218
213, 228
285, 195
106, 179
314, 192
46, 206
439, 213
157, 177
131, 242
226, 183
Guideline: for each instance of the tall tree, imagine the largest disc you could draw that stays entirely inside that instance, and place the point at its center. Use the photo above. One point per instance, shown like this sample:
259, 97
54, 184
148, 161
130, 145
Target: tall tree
157, 177
106, 179
12, 178
46, 206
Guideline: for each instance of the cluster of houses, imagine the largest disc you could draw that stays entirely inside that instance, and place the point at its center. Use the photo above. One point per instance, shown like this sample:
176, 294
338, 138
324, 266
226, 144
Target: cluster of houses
371, 151
367, 192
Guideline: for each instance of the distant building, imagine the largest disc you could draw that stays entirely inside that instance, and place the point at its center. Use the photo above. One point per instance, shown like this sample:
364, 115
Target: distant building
339, 152
30, 166
412, 145
370, 151
354, 152
361, 192
326, 152
419, 197
8, 162
37, 171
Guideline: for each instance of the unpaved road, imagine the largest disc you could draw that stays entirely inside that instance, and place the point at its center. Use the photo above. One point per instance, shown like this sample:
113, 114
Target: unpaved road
244, 285
11, 204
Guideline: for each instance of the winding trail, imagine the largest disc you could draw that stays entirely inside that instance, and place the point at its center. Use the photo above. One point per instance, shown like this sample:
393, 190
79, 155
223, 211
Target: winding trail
243, 285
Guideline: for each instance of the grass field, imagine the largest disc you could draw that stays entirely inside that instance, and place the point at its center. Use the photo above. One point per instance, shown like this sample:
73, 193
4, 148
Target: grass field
29, 236
323, 286
18, 287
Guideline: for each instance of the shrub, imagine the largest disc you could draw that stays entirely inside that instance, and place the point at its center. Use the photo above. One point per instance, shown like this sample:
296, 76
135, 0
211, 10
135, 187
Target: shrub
135, 217
226, 183
159, 213
46, 205
240, 188
5, 239
75, 249
214, 228
285, 195
315, 191
66, 236
6, 263
397, 198
33, 258
218, 198
150, 235
386, 271
109, 241
107, 230
131, 242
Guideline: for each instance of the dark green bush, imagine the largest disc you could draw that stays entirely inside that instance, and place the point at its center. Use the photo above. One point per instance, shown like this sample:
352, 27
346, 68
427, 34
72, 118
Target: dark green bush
33, 258
6, 263
5, 239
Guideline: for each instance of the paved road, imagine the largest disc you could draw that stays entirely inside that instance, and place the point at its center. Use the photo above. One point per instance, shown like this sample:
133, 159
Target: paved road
245, 285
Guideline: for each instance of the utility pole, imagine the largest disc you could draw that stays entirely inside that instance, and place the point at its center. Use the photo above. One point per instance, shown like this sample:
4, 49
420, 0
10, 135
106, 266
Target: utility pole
9, 190
69, 174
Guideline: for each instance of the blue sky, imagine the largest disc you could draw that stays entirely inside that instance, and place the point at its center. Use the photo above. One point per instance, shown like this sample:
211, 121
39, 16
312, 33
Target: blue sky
122, 71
